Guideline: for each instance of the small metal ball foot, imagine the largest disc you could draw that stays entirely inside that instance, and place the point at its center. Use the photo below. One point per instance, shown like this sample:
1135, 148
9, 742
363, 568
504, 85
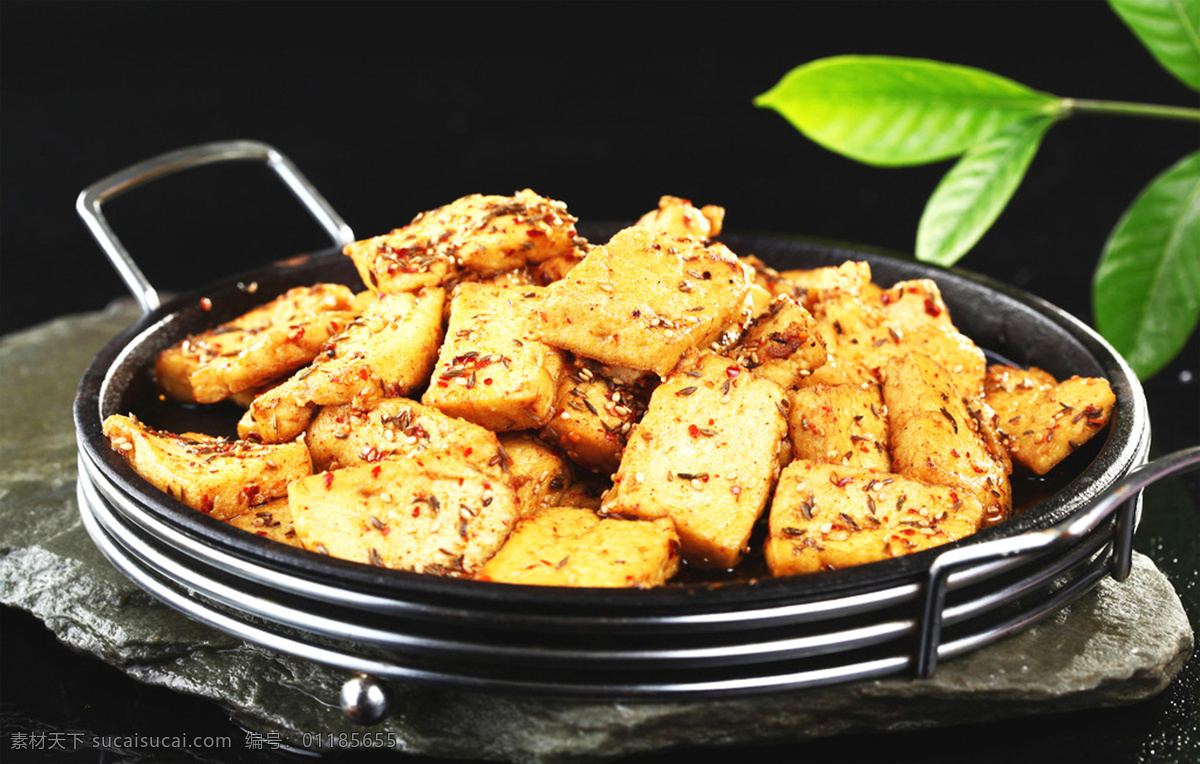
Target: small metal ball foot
365, 699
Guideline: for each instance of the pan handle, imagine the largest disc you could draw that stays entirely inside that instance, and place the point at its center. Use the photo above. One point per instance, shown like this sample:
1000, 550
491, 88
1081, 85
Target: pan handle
1120, 498
89, 200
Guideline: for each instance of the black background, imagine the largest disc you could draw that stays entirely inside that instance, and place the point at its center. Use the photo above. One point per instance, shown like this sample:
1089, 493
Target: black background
392, 108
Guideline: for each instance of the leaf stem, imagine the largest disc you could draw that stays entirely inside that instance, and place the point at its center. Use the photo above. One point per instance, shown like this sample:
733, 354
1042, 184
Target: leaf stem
1128, 109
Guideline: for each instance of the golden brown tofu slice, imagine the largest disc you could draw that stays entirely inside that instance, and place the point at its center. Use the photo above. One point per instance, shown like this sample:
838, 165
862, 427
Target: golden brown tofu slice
261, 345
492, 370
346, 435
813, 285
272, 520
838, 371
706, 454
758, 302
936, 434
594, 411
173, 368
486, 234
912, 303
826, 516
782, 345
572, 546
861, 333
769, 279
844, 317
538, 473
840, 424
952, 350
219, 477
272, 355
432, 513
556, 268
644, 299
1044, 420
679, 217
388, 351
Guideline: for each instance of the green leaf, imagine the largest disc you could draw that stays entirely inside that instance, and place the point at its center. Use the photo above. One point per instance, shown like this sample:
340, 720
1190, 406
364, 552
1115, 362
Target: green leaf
1146, 292
891, 111
975, 191
1170, 30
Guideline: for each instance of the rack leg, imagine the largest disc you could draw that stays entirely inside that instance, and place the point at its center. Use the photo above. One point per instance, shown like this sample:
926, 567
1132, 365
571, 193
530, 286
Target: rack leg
365, 699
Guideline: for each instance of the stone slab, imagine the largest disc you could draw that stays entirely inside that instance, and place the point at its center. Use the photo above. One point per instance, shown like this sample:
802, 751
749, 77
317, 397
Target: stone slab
1120, 644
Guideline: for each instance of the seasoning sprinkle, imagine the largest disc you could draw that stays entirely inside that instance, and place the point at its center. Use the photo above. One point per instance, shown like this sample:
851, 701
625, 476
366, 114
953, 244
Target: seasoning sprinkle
806, 508
950, 416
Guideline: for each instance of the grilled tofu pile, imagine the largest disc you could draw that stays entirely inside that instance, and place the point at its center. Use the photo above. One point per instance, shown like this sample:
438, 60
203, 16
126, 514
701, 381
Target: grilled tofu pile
503, 400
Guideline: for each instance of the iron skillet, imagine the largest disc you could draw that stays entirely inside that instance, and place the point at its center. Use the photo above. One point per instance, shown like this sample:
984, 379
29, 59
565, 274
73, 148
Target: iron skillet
704, 635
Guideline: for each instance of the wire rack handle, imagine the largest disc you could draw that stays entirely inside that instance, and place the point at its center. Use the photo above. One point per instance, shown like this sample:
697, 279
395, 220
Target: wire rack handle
1120, 498
91, 198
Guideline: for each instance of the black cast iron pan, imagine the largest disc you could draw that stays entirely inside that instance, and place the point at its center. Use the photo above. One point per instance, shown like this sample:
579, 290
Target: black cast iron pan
750, 633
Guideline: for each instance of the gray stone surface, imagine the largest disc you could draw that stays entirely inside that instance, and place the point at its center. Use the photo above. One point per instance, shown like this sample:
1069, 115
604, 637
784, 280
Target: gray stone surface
1120, 644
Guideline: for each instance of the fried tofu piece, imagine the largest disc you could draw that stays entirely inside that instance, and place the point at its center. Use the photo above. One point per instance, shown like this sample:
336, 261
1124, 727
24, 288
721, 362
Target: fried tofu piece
770, 280
826, 516
388, 351
782, 345
813, 285
679, 217
644, 299
572, 546
706, 454
758, 302
222, 478
1044, 420
173, 367
953, 351
246, 397
556, 268
274, 353
432, 514
346, 435
838, 371
537, 472
272, 520
840, 424
862, 334
485, 234
594, 411
397, 336
845, 319
937, 436
492, 369
913, 303
261, 345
